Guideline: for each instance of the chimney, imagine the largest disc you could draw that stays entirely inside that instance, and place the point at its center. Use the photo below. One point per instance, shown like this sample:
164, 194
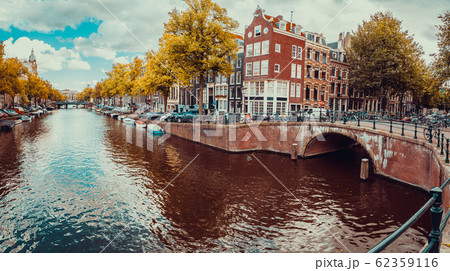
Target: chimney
280, 17
340, 42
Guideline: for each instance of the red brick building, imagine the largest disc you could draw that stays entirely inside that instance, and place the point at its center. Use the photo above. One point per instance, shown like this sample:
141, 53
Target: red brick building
317, 76
274, 64
339, 88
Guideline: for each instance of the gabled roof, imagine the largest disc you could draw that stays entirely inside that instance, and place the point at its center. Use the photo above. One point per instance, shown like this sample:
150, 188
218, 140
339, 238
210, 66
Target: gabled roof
333, 45
274, 20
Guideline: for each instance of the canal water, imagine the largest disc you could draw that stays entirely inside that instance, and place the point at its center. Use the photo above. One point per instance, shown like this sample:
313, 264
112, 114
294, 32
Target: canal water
75, 181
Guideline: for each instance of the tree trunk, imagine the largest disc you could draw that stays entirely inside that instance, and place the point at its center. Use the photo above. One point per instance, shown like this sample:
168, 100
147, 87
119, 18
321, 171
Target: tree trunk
131, 103
401, 105
165, 103
200, 97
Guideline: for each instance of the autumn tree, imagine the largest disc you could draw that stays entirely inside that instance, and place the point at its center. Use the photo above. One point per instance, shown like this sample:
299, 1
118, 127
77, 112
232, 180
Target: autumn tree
197, 41
131, 83
441, 61
157, 76
34, 86
12, 78
385, 60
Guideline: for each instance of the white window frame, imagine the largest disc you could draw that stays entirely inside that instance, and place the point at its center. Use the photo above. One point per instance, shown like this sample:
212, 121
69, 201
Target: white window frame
298, 91
299, 71
257, 49
256, 68
258, 31
293, 72
248, 69
299, 52
232, 79
249, 50
264, 67
294, 51
292, 90
277, 48
275, 68
238, 63
265, 47
238, 77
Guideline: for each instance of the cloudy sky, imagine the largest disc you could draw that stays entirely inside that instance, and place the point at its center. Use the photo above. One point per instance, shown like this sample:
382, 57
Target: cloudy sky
75, 41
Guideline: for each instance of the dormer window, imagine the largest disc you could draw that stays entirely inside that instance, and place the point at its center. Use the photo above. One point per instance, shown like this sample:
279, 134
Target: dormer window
297, 29
283, 25
257, 31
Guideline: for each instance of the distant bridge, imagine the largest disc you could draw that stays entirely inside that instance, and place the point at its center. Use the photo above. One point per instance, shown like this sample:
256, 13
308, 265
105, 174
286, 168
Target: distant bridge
67, 103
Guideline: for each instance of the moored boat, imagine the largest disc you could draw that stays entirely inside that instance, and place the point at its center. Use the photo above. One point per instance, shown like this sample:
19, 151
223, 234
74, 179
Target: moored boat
141, 124
121, 117
155, 129
7, 124
25, 118
114, 115
18, 121
129, 121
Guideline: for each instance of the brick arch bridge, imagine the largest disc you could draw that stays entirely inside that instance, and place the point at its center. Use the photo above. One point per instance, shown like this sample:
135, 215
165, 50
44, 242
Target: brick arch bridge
402, 158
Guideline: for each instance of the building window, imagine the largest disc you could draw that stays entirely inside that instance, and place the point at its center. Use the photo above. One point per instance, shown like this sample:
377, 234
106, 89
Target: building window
324, 57
224, 80
308, 71
322, 94
264, 67
281, 107
294, 51
293, 70
249, 52
269, 108
256, 68
299, 52
265, 47
292, 89
210, 78
282, 25
238, 77
298, 90
232, 79
332, 87
257, 31
238, 63
248, 69
277, 48
324, 75
316, 93
333, 71
257, 48
344, 89
316, 73
316, 56
277, 68
308, 93
309, 55
299, 71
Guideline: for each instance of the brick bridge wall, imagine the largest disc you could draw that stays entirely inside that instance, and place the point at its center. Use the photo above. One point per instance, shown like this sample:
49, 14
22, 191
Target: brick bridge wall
400, 158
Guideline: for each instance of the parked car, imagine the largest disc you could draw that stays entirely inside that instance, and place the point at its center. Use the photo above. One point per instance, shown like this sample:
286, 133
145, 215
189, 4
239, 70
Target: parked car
11, 113
19, 110
3, 114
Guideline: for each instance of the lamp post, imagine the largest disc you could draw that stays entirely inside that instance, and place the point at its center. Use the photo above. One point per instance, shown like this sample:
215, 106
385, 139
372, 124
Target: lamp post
243, 89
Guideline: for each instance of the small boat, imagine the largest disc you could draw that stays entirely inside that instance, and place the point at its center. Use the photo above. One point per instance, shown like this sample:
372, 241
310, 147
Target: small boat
7, 124
121, 117
25, 118
141, 124
155, 129
129, 121
18, 121
114, 115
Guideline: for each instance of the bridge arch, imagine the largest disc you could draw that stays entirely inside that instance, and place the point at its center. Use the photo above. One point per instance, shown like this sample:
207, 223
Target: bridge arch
332, 141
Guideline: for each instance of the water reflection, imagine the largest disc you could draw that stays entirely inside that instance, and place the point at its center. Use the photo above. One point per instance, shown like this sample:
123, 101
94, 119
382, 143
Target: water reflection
73, 181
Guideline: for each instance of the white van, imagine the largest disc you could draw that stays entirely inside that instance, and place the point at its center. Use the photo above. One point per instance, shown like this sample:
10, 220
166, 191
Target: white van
314, 113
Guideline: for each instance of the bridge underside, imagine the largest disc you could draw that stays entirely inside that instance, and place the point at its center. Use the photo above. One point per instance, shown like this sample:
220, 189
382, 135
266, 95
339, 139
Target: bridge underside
328, 143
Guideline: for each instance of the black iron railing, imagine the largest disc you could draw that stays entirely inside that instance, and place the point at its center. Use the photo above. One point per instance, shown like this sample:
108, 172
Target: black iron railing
434, 238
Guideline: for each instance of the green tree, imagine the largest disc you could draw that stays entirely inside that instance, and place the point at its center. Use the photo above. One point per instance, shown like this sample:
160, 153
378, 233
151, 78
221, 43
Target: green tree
197, 41
385, 60
441, 63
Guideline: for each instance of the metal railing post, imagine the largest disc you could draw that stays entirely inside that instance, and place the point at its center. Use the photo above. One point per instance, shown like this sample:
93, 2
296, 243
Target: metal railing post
358, 121
345, 120
415, 130
446, 151
442, 144
390, 129
430, 133
374, 122
436, 217
438, 137
403, 128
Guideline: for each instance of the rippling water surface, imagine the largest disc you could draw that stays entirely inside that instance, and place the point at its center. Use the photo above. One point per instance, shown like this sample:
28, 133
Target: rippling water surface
74, 181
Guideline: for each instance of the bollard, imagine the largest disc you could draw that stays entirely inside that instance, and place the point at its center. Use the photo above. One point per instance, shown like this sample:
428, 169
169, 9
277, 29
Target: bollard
364, 174
403, 128
345, 120
438, 137
442, 144
415, 130
358, 121
294, 154
446, 151
430, 133
436, 217
390, 130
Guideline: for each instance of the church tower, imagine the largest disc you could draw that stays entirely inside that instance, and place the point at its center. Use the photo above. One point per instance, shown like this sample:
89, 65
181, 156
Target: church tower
33, 63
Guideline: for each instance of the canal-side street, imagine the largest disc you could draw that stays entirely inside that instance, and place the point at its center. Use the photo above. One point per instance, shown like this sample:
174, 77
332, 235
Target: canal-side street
73, 180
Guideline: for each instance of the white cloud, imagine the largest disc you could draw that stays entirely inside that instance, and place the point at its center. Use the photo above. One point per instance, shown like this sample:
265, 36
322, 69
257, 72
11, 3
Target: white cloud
48, 58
